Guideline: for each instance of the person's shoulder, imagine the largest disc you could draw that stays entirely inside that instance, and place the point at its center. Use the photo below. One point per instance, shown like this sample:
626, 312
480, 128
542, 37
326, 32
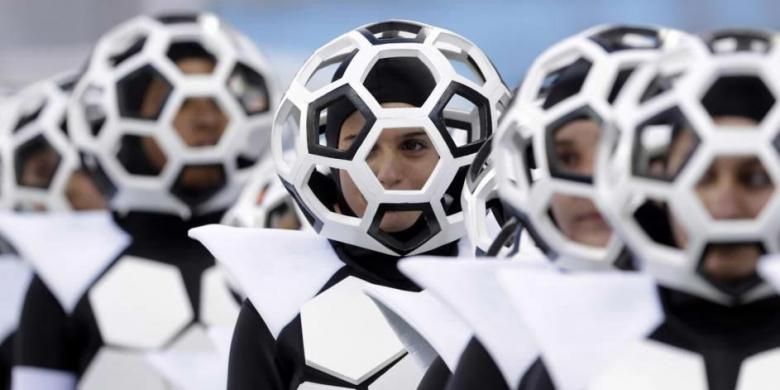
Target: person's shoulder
277, 270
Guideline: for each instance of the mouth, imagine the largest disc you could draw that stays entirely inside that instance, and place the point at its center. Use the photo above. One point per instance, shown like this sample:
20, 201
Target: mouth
592, 217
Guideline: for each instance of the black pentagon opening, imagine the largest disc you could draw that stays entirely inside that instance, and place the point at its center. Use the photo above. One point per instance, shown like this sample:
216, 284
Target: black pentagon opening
36, 163
140, 155
178, 18
249, 89
394, 31
332, 115
731, 266
572, 143
653, 218
563, 83
184, 50
425, 227
745, 96
315, 223
618, 83
400, 80
63, 126
659, 85
663, 145
29, 115
283, 216
197, 183
627, 38
98, 174
130, 47
464, 118
331, 69
142, 94
734, 41
94, 113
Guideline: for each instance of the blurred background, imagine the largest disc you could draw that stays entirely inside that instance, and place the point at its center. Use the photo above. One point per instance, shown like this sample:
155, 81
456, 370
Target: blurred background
39, 38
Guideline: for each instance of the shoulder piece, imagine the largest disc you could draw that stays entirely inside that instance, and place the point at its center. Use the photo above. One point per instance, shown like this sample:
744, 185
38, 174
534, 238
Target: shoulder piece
15, 275
470, 288
278, 270
769, 269
67, 250
582, 322
427, 317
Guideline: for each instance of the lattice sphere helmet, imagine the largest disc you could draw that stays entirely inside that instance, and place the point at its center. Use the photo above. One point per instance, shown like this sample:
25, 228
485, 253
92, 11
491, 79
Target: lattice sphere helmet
172, 113
429, 89
265, 203
485, 217
682, 124
38, 158
545, 146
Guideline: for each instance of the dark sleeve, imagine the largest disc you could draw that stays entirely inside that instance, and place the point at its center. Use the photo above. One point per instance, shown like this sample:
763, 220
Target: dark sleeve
537, 378
477, 370
252, 354
45, 336
436, 377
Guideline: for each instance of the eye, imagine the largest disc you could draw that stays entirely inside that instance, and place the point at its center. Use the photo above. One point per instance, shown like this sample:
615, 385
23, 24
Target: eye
568, 157
414, 145
756, 178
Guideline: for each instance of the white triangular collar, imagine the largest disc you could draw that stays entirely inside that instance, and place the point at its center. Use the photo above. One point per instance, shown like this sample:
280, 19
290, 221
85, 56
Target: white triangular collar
581, 322
278, 270
67, 250
470, 288
428, 317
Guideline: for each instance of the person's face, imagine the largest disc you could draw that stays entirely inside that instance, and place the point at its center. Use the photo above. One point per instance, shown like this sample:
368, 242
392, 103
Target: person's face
733, 187
200, 122
401, 159
577, 217
38, 170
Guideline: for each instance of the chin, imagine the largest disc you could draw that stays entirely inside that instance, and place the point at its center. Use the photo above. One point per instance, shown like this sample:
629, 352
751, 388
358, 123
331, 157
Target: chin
395, 222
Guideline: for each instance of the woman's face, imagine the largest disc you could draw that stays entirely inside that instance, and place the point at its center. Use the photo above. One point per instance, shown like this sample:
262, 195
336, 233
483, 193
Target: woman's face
578, 219
199, 122
733, 187
401, 159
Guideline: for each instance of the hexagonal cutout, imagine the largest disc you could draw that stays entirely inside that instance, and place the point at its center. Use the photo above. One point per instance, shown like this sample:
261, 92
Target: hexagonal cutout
337, 124
404, 227
249, 89
98, 174
735, 187
617, 84
200, 122
331, 69
178, 18
94, 113
141, 155
126, 48
731, 267
733, 41
659, 85
578, 219
400, 80
197, 183
83, 192
743, 96
29, 113
142, 94
627, 38
451, 201
463, 117
654, 219
480, 165
461, 61
572, 143
402, 159
394, 32
337, 191
36, 163
663, 145
563, 82
185, 54
288, 123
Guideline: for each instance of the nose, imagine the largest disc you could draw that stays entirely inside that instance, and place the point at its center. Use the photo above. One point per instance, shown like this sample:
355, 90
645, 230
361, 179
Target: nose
208, 122
724, 200
387, 167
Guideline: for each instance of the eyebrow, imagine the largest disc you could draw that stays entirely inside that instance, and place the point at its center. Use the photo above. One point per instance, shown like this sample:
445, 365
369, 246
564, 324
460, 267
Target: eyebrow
415, 134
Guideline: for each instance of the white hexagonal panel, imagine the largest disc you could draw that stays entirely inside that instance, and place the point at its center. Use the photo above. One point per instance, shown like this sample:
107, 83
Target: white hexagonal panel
121, 370
140, 303
194, 339
345, 334
406, 374
759, 372
218, 307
